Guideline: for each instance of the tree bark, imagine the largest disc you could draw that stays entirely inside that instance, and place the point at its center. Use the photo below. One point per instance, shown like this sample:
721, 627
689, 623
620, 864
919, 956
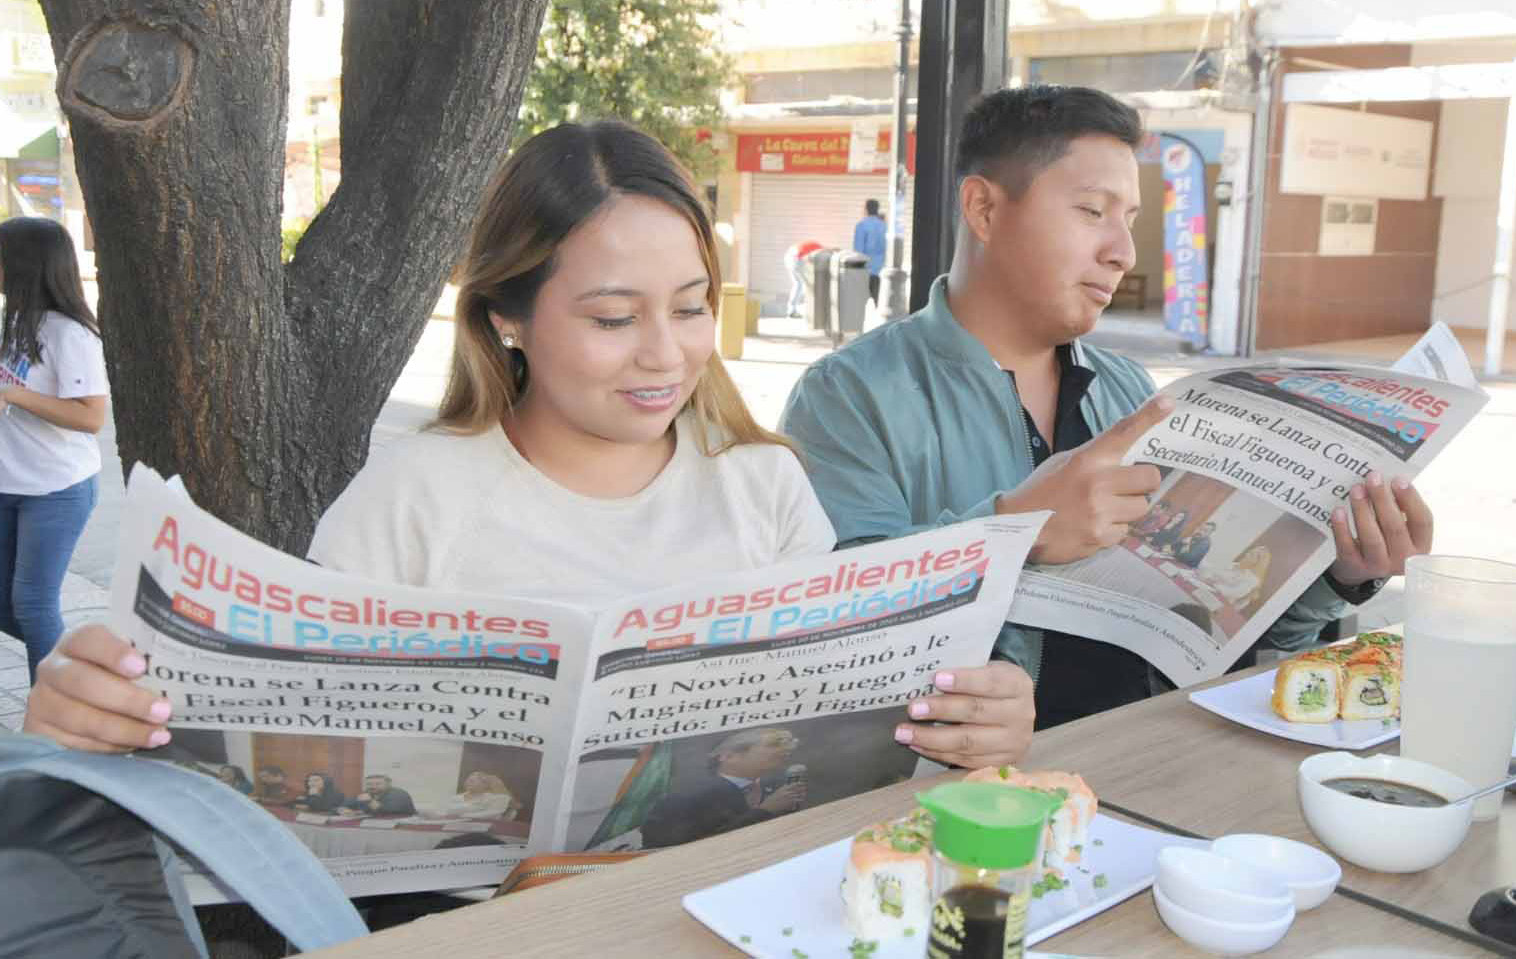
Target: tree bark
257, 382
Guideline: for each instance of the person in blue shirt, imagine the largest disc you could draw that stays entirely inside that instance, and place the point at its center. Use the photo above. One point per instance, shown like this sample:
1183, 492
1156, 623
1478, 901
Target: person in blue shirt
868, 239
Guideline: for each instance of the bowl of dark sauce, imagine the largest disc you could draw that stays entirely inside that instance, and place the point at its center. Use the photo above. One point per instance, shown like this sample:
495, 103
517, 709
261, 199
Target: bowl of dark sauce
1385, 791
1383, 812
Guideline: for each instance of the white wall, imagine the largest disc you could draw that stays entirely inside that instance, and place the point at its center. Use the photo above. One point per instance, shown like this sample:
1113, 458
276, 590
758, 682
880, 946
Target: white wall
428, 770
1470, 140
1311, 22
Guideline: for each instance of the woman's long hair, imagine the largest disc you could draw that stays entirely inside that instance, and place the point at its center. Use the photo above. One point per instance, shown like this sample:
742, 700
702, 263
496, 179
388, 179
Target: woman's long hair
550, 187
41, 274
1255, 561
329, 791
492, 783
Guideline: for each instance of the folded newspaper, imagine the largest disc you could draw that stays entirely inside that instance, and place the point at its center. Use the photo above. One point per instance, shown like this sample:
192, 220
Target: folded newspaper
1254, 460
417, 739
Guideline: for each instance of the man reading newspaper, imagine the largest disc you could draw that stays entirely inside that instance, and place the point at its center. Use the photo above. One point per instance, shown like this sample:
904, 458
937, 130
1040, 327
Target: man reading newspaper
945, 416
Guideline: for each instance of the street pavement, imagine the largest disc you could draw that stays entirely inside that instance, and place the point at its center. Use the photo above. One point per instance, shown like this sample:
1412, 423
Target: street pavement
1470, 488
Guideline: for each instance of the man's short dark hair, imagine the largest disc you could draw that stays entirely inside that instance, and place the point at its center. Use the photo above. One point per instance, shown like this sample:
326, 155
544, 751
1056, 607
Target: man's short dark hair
1010, 136
871, 207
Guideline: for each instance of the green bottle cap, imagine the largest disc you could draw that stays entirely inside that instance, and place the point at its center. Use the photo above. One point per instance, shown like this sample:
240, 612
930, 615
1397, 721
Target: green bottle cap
988, 826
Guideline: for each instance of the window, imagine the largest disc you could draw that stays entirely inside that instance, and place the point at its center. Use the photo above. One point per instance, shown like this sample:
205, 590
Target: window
1126, 72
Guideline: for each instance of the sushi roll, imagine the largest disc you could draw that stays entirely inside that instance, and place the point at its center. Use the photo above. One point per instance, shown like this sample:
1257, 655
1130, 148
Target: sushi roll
1308, 689
887, 888
1371, 687
1370, 691
1069, 825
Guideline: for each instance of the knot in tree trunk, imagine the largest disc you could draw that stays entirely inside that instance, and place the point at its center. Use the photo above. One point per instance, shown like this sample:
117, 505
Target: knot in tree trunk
128, 72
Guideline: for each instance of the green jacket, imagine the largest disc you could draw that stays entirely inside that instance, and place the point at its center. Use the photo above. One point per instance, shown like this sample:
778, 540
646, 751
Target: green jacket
914, 426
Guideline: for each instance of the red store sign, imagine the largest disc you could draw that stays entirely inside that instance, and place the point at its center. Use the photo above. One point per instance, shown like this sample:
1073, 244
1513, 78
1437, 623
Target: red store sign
809, 152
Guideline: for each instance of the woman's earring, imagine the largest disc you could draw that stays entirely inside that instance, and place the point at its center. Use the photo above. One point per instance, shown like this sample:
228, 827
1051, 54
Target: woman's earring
508, 340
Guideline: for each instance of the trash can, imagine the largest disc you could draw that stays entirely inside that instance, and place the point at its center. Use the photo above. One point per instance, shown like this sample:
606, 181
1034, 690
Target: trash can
817, 276
852, 278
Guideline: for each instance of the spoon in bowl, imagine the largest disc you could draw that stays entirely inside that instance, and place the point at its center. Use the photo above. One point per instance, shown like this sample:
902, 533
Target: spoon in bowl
1484, 792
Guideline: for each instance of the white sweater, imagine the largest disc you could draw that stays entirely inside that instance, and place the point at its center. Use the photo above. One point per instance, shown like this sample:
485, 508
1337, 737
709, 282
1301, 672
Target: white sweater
469, 513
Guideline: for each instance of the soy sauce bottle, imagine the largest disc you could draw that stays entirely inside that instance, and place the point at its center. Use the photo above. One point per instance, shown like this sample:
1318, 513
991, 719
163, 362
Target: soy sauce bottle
987, 853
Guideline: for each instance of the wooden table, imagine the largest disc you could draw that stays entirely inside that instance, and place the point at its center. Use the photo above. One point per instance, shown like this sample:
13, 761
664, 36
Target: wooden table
1245, 781
1165, 759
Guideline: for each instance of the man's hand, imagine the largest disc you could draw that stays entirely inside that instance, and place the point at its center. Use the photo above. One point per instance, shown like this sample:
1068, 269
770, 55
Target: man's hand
986, 712
85, 697
1093, 497
1393, 522
786, 798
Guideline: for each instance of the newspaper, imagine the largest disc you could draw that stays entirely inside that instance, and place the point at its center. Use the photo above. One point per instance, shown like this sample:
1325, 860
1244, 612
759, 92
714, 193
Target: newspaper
417, 739
1254, 460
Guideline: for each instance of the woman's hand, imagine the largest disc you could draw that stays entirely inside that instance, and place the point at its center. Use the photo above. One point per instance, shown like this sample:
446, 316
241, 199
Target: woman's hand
85, 697
989, 712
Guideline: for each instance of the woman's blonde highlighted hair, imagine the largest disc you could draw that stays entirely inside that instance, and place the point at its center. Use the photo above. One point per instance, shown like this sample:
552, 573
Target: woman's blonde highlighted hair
549, 187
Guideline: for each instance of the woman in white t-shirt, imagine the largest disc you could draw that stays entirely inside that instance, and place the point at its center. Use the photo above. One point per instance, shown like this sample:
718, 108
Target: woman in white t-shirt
590, 443
53, 395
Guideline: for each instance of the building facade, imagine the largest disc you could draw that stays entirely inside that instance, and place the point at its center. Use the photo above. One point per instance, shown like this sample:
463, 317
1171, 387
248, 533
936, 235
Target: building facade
1384, 169
795, 166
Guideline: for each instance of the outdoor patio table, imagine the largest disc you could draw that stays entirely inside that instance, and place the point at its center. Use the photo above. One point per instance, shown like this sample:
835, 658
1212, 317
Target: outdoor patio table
1164, 759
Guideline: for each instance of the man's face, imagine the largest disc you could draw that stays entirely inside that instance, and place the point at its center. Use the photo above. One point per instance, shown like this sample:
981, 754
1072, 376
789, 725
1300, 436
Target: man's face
270, 778
763, 757
374, 785
1057, 252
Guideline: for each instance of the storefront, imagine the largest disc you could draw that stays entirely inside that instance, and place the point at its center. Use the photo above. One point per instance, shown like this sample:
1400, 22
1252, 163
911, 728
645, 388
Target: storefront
1208, 225
799, 185
30, 176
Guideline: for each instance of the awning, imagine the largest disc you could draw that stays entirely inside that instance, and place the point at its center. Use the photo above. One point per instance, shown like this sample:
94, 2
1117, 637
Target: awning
29, 138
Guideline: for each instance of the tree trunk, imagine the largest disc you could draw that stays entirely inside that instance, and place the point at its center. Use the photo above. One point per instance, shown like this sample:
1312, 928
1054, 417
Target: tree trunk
259, 383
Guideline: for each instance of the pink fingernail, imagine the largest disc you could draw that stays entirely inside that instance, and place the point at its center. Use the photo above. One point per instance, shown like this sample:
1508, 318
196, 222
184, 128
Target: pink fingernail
1375, 479
943, 681
1340, 514
1358, 492
160, 711
133, 665
160, 737
917, 709
903, 734
1402, 484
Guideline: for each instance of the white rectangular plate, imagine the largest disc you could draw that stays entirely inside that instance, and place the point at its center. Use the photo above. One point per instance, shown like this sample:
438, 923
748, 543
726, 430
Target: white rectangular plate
804, 895
1246, 701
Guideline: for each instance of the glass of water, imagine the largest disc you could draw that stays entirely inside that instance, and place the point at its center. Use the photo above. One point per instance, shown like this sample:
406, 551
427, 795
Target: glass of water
1458, 695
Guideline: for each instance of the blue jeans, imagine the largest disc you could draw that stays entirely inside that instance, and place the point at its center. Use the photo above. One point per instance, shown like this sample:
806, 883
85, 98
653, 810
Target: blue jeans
37, 539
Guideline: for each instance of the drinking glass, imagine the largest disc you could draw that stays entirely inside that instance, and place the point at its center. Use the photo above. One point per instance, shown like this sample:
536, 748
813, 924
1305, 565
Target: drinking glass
1458, 694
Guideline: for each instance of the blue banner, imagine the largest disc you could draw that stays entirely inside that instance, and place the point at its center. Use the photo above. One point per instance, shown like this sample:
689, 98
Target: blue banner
1186, 298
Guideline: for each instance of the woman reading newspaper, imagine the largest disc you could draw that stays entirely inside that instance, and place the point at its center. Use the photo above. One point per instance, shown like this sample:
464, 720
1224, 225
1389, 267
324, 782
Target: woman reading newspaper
590, 443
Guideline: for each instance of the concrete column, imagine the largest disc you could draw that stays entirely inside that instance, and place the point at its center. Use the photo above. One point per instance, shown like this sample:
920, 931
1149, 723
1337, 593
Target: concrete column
1505, 234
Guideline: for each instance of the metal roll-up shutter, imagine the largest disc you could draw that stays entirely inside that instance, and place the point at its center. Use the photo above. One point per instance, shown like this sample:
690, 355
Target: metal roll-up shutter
789, 208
